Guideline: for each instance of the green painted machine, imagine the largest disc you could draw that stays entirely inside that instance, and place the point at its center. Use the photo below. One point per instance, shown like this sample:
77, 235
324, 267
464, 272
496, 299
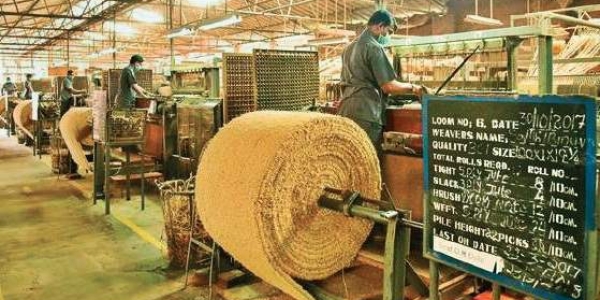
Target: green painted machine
501, 43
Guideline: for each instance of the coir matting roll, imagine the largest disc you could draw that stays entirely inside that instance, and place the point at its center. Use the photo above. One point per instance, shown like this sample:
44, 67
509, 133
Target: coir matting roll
22, 117
257, 188
75, 127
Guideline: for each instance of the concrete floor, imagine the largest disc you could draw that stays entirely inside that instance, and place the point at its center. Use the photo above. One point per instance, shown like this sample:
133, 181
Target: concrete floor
54, 244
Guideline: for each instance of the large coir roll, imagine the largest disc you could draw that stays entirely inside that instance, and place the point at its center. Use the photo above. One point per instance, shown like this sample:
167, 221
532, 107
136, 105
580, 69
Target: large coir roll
76, 129
22, 117
257, 188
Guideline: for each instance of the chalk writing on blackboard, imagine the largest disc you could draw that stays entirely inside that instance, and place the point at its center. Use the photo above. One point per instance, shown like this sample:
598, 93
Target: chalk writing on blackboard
506, 189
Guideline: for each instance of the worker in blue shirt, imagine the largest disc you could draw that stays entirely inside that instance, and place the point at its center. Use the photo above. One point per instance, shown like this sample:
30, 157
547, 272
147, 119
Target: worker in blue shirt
67, 92
128, 86
66, 102
9, 88
368, 77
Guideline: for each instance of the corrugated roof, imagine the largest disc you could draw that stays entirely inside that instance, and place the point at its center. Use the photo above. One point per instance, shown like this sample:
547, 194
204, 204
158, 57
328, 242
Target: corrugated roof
27, 24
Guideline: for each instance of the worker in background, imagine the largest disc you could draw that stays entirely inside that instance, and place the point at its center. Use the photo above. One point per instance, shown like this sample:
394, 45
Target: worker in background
97, 79
368, 77
128, 86
67, 100
9, 88
27, 88
67, 93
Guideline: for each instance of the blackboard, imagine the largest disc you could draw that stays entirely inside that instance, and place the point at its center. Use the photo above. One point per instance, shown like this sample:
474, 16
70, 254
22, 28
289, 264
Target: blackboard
510, 191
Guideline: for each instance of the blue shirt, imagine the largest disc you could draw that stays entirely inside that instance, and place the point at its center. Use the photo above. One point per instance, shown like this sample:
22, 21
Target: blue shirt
365, 68
65, 93
126, 98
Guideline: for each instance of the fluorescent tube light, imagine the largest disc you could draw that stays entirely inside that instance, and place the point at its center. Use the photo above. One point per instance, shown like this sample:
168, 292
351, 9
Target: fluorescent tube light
94, 35
220, 22
107, 51
329, 41
103, 52
336, 32
204, 3
147, 16
183, 31
477, 19
306, 48
120, 28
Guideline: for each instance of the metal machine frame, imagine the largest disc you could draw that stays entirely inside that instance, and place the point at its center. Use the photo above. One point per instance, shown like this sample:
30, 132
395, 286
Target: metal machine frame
39, 124
397, 240
102, 160
513, 37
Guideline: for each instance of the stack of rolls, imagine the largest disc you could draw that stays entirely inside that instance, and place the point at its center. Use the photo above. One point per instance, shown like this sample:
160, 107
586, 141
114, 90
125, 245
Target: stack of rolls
76, 130
257, 188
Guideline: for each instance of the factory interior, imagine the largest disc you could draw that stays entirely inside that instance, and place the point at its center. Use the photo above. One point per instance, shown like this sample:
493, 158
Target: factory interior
301, 149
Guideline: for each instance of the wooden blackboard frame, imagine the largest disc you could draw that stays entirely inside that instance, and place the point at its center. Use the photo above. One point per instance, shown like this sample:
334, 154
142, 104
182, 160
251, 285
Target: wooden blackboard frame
592, 212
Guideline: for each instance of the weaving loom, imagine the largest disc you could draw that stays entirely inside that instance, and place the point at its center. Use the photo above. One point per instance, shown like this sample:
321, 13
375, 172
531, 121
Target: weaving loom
486, 71
269, 80
575, 65
111, 82
238, 86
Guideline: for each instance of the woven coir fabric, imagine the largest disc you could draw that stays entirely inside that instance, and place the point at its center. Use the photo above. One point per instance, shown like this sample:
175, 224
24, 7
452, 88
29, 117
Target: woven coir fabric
257, 188
22, 117
76, 130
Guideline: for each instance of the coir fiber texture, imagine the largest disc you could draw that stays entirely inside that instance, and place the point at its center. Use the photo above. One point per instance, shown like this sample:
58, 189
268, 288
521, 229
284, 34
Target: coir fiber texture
257, 188
22, 117
75, 127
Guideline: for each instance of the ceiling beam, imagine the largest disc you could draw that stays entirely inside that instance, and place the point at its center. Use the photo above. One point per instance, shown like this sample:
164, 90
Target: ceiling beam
47, 16
24, 45
19, 44
35, 2
84, 39
119, 6
43, 29
126, 41
10, 4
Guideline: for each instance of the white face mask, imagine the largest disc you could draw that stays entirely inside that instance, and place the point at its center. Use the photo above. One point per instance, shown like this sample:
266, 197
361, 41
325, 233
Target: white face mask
384, 37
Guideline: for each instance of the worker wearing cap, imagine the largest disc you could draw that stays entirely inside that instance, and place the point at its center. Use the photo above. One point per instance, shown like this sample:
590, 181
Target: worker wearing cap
67, 92
9, 88
128, 86
368, 77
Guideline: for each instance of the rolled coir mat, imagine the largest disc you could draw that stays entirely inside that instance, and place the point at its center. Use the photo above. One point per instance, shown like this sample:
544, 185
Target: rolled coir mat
75, 128
257, 187
22, 117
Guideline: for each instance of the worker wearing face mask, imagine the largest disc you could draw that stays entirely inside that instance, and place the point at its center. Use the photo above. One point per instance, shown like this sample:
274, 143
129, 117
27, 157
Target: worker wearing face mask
67, 92
128, 86
67, 100
368, 77
9, 88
